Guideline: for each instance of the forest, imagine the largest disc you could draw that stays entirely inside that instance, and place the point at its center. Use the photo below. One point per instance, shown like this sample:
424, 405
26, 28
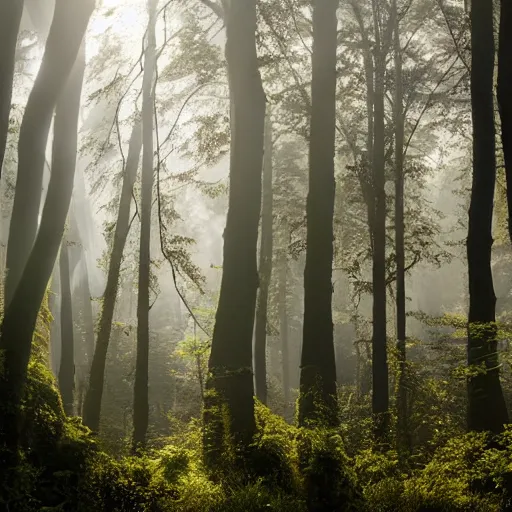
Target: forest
256, 255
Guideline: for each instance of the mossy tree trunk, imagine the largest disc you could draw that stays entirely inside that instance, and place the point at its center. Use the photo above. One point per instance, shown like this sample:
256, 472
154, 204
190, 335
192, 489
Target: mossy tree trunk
230, 383
21, 313
486, 405
140, 397
66, 33
10, 19
265, 268
318, 368
93, 396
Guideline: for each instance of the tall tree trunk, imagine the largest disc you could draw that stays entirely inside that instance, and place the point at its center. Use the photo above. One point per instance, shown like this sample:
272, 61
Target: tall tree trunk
265, 268
140, 397
92, 401
318, 368
486, 405
67, 355
283, 325
399, 119
54, 307
21, 313
69, 24
231, 382
10, 19
380, 397
505, 96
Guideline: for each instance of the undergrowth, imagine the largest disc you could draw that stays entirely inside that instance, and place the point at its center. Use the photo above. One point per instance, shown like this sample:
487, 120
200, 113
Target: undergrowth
63, 468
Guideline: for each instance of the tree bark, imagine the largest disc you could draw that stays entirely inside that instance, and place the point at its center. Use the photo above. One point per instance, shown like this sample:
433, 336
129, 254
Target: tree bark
318, 368
401, 325
10, 19
230, 383
283, 326
67, 355
21, 313
380, 396
69, 24
140, 397
505, 97
265, 269
486, 405
92, 401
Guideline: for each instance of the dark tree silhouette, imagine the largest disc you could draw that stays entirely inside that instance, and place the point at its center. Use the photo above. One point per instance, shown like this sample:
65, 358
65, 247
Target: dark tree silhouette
318, 368
92, 402
70, 21
21, 313
230, 365
67, 353
486, 405
140, 398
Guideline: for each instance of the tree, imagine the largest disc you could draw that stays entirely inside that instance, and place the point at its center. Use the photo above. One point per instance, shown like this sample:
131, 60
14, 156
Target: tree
504, 91
92, 402
265, 268
21, 313
10, 19
318, 369
399, 122
230, 382
486, 405
283, 323
380, 395
140, 397
69, 23
67, 353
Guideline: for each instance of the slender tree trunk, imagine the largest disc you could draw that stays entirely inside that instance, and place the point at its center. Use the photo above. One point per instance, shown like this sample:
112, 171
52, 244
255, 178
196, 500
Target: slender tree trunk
265, 269
380, 397
92, 401
505, 96
140, 397
54, 307
67, 31
10, 18
399, 119
230, 383
318, 368
486, 405
283, 325
21, 313
67, 355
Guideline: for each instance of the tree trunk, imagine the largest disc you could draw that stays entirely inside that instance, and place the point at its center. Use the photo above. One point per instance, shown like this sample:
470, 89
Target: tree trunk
92, 401
10, 19
231, 382
505, 97
318, 368
140, 397
265, 269
486, 405
380, 397
283, 326
67, 31
67, 355
21, 313
399, 120
54, 307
